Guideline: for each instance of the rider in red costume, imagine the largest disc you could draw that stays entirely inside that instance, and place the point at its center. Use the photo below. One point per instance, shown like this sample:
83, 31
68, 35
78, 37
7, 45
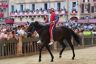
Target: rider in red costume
53, 23
52, 16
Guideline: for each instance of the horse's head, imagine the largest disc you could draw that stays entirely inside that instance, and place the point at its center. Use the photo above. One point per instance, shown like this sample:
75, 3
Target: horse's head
32, 28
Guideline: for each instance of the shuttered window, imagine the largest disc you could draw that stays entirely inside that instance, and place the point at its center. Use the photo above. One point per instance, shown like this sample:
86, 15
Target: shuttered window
89, 8
92, 9
45, 6
12, 8
21, 7
33, 6
58, 5
82, 8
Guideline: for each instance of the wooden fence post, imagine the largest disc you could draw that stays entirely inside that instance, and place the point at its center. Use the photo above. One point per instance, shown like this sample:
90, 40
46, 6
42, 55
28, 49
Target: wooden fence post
92, 39
19, 46
55, 45
83, 41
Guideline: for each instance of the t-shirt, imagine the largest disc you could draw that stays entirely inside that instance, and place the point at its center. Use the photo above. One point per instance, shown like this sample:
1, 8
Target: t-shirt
20, 32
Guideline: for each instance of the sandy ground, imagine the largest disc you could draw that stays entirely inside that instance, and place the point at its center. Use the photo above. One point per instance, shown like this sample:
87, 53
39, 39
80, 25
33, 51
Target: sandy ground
83, 56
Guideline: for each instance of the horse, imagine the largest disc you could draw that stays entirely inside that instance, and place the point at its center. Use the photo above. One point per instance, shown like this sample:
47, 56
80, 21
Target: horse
59, 34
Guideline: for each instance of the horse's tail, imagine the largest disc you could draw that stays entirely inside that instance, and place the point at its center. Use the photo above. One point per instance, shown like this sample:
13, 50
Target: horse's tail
76, 37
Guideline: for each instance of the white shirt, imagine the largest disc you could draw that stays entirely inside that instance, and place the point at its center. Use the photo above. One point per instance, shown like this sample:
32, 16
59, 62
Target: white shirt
21, 32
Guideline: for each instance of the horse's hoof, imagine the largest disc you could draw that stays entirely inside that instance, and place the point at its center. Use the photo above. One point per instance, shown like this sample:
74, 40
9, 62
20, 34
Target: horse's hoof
39, 60
60, 56
51, 60
72, 58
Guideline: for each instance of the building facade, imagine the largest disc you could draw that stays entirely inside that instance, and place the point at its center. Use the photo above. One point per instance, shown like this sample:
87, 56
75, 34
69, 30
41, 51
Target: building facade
3, 9
73, 9
88, 9
34, 10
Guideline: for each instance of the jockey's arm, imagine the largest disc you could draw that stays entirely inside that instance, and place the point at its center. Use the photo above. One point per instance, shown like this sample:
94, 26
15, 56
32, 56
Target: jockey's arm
52, 19
51, 22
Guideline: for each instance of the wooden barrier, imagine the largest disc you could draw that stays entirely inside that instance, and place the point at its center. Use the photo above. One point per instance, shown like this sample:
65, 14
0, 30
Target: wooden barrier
19, 46
8, 47
25, 46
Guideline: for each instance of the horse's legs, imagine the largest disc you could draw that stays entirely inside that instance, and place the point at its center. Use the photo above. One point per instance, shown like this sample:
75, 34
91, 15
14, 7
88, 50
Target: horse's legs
72, 47
63, 47
40, 52
52, 57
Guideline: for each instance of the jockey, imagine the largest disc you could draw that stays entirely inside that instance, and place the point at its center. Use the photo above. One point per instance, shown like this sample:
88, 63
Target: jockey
52, 23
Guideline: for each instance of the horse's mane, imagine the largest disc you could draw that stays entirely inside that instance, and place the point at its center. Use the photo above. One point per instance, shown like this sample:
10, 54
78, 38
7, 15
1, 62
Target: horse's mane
40, 25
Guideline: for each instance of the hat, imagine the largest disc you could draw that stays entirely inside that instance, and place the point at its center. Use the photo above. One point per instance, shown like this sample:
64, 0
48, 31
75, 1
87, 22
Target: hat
52, 9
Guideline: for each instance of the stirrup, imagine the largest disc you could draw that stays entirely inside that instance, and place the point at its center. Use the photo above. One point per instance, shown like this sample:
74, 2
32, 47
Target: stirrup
51, 42
39, 41
37, 35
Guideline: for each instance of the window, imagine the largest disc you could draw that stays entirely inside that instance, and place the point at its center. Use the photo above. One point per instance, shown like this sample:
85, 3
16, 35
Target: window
74, 4
45, 6
83, 0
89, 8
21, 7
33, 6
94, 0
58, 5
12, 8
82, 8
1, 19
94, 8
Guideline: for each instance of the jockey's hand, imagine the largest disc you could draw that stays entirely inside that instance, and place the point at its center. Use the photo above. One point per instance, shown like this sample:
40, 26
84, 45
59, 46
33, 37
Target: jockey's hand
52, 22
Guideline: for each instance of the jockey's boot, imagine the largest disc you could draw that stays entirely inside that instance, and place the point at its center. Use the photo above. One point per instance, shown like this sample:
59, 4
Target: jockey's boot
39, 41
37, 35
51, 42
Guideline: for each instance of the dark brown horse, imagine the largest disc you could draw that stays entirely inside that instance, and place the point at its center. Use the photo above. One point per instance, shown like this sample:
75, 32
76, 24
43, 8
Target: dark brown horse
59, 34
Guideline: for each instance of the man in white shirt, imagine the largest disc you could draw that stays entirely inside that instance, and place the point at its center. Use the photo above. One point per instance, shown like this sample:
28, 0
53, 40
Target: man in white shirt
21, 31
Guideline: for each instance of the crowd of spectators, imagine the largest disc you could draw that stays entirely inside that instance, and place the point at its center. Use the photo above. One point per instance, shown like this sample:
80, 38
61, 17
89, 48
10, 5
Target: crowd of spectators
7, 32
79, 27
40, 11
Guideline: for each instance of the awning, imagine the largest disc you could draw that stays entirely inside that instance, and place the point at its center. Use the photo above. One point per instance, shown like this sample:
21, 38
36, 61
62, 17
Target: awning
1, 15
9, 21
4, 5
92, 21
82, 21
87, 21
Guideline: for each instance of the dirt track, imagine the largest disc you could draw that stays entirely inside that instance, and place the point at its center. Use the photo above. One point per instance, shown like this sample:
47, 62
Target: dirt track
83, 56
